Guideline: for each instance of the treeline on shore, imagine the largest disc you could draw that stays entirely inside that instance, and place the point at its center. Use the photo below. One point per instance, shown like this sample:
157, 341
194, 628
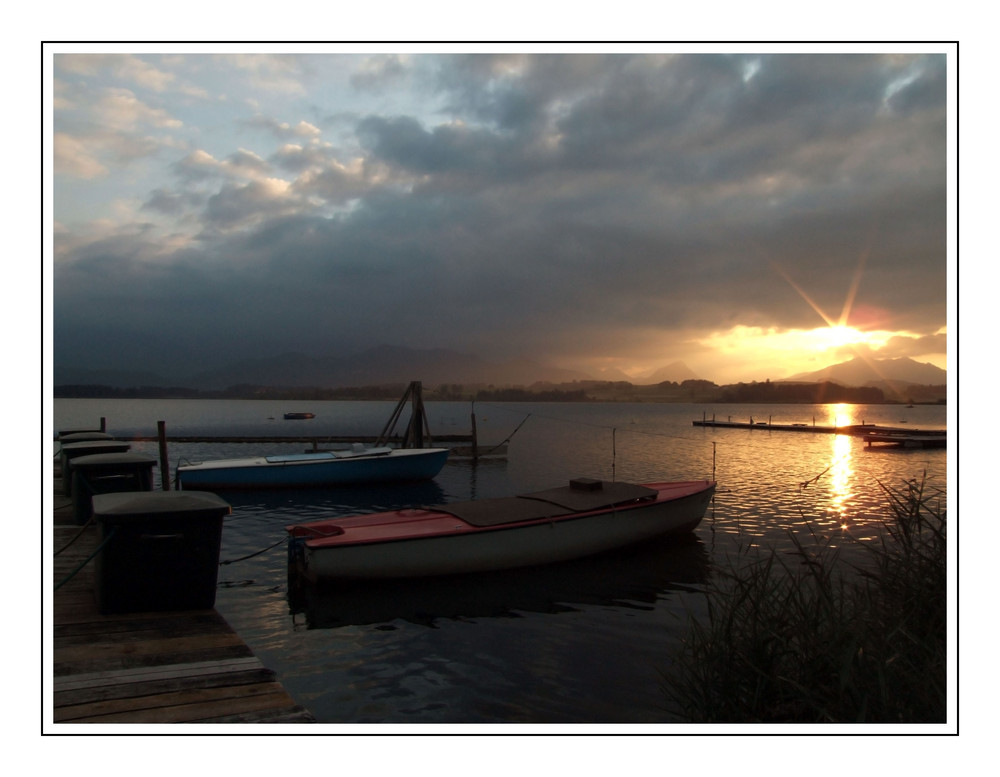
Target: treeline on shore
578, 391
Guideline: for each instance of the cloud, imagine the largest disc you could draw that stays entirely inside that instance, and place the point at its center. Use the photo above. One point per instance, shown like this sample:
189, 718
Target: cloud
124, 66
276, 73
898, 346
379, 72
237, 205
122, 110
97, 129
173, 203
563, 207
73, 156
285, 131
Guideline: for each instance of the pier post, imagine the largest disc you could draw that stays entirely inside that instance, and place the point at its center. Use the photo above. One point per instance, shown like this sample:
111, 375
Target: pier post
475, 441
161, 430
104, 424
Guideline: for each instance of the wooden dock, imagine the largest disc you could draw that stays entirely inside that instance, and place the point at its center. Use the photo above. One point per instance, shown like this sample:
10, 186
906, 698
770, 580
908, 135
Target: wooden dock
153, 667
937, 436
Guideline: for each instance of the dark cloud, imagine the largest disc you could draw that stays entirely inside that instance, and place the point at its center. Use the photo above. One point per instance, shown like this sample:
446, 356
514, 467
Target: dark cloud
173, 203
561, 206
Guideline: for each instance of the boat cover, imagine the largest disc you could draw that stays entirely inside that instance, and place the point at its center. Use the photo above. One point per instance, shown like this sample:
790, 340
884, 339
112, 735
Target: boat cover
506, 509
551, 503
579, 500
292, 458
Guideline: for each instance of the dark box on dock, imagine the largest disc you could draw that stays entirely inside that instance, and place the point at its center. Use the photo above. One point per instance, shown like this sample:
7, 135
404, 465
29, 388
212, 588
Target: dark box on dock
106, 473
161, 552
70, 451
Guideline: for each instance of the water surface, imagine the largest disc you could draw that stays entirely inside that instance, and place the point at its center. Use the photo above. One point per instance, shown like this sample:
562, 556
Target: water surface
583, 642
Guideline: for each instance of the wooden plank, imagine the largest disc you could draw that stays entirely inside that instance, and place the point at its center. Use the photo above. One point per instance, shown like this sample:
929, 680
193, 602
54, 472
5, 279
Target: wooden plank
295, 714
180, 706
140, 626
149, 681
142, 674
125, 661
120, 648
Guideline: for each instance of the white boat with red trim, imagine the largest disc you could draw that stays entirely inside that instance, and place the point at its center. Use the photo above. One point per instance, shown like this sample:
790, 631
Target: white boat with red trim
582, 519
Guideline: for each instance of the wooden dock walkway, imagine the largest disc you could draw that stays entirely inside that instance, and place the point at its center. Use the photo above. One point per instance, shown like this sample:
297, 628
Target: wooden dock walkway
153, 667
854, 430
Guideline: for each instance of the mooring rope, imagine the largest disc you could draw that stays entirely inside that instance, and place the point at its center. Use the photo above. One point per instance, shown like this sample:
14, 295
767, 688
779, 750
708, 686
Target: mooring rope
79, 534
89, 558
509, 436
244, 558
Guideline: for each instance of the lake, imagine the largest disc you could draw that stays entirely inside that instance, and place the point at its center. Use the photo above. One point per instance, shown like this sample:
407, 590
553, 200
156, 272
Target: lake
582, 642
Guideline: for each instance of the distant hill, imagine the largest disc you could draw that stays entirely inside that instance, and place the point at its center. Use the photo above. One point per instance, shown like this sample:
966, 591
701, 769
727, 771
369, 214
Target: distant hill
676, 372
376, 366
861, 372
386, 365
612, 374
72, 376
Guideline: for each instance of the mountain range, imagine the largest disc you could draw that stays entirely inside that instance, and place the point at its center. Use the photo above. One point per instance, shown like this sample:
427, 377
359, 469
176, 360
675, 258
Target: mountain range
392, 364
875, 372
376, 366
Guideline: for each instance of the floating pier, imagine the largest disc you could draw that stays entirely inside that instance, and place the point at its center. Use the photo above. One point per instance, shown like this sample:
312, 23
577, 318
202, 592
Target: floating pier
930, 438
147, 667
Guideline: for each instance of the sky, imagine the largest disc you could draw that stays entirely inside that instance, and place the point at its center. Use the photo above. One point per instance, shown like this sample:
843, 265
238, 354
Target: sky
754, 212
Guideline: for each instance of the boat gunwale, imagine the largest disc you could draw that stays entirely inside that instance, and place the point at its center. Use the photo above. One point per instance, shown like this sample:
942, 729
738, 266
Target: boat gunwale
336, 538
321, 457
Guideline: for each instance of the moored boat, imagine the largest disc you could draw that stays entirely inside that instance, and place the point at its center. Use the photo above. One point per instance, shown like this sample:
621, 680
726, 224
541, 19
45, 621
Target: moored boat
310, 470
299, 416
582, 519
896, 440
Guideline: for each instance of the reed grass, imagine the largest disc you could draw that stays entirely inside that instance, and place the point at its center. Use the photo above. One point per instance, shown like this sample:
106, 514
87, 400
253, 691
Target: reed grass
806, 638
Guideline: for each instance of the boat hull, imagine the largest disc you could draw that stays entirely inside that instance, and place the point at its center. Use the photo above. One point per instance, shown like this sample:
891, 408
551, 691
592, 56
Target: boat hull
314, 470
434, 543
906, 441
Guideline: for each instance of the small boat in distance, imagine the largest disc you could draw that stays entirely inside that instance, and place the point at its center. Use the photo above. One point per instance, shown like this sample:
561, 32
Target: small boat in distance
299, 416
582, 519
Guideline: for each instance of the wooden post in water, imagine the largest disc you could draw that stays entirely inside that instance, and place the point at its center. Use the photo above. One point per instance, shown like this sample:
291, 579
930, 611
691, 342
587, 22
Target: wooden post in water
161, 431
475, 442
415, 435
104, 424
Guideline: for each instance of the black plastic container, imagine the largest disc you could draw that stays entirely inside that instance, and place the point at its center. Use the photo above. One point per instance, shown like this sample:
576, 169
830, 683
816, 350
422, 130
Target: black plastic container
107, 473
74, 450
161, 552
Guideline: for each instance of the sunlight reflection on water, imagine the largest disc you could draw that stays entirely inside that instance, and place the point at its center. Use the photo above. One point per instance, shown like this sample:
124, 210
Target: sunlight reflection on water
580, 642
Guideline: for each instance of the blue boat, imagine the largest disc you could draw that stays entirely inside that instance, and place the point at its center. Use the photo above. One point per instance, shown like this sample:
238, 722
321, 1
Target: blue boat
312, 470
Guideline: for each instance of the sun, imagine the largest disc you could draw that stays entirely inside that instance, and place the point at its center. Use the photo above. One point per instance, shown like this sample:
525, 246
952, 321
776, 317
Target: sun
838, 336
